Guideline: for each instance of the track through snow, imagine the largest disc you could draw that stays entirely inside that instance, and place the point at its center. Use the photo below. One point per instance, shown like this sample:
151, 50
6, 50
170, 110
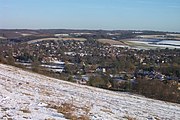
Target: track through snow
25, 95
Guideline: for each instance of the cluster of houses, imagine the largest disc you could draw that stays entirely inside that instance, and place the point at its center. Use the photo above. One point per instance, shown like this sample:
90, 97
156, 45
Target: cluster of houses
55, 66
152, 75
55, 55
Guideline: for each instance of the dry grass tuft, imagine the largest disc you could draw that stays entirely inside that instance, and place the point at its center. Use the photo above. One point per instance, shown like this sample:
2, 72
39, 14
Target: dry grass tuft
68, 110
27, 94
129, 118
84, 117
107, 111
50, 119
25, 110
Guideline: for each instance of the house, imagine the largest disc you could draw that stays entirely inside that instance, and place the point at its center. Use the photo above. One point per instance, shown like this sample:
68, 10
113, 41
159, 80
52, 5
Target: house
61, 35
55, 66
160, 76
81, 79
101, 69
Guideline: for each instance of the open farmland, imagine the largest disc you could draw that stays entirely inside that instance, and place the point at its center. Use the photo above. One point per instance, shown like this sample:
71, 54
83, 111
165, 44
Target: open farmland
111, 42
162, 37
153, 43
2, 37
47, 39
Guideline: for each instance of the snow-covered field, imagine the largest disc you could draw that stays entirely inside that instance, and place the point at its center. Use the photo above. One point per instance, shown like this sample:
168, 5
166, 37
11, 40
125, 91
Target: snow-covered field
154, 43
26, 95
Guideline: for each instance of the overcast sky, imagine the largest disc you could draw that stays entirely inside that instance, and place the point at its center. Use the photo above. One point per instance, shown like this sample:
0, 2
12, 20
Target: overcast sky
91, 14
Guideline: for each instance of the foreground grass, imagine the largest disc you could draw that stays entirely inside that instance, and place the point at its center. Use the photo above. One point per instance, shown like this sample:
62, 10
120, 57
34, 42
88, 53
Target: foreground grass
69, 111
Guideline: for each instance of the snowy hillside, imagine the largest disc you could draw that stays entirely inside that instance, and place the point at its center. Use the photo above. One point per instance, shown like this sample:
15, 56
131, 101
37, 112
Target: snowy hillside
25, 95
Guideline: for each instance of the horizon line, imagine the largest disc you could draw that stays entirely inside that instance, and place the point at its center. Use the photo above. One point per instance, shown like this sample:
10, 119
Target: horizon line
85, 29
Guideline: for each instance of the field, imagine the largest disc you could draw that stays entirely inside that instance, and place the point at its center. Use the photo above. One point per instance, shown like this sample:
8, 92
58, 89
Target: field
26, 95
153, 43
47, 39
2, 37
169, 36
111, 42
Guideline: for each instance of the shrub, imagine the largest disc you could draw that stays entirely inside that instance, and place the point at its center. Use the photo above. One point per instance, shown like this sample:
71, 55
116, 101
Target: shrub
156, 89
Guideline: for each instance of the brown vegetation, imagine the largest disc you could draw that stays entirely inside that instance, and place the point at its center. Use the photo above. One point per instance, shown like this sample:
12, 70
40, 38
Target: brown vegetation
129, 118
166, 91
110, 41
25, 110
68, 110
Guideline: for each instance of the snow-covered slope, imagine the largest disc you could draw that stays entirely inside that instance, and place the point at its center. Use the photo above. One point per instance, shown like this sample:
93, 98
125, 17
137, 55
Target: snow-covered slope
25, 95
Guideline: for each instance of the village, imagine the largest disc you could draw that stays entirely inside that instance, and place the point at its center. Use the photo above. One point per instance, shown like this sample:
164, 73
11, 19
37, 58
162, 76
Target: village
98, 62
91, 57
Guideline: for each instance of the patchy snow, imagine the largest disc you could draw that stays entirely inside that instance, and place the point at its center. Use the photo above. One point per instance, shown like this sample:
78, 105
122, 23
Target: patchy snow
2, 37
26, 95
